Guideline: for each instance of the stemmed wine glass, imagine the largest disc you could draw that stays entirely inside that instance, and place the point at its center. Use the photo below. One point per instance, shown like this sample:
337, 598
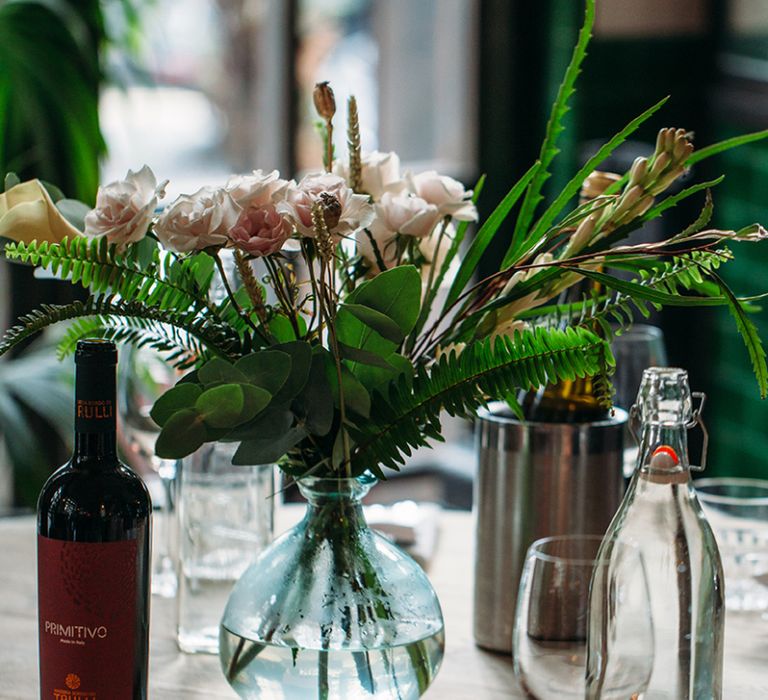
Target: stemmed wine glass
144, 376
635, 350
553, 618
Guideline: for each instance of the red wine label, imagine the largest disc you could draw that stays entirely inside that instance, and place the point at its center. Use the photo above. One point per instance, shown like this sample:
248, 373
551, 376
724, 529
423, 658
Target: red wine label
87, 597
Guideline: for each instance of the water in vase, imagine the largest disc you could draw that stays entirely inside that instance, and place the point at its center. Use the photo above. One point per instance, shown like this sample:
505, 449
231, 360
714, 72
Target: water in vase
259, 671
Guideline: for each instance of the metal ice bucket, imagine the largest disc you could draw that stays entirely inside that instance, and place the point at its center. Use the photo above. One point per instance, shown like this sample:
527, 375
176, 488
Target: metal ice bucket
535, 480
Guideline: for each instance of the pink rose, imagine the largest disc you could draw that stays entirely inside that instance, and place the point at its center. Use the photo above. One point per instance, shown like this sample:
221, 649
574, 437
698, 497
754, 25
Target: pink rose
198, 221
257, 189
260, 231
355, 211
124, 208
447, 194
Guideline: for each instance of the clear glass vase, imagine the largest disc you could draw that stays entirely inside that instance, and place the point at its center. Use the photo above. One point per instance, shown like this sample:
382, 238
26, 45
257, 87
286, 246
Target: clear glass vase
332, 610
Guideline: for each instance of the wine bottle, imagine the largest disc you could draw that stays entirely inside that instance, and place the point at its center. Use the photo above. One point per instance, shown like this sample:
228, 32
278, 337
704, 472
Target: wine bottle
93, 553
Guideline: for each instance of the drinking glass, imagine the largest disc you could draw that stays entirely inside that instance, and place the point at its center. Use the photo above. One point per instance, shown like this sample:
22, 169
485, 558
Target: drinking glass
552, 620
225, 514
635, 350
737, 511
144, 376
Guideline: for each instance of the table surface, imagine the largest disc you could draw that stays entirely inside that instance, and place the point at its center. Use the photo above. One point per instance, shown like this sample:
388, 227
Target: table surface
467, 673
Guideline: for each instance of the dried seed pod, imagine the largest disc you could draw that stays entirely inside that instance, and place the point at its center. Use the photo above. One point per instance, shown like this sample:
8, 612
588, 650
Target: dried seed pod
331, 209
325, 102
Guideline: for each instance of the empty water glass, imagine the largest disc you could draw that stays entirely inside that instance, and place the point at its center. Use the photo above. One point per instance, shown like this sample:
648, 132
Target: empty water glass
553, 614
225, 520
737, 511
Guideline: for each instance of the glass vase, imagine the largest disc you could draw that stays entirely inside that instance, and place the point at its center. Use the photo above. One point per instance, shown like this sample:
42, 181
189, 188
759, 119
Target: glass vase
332, 610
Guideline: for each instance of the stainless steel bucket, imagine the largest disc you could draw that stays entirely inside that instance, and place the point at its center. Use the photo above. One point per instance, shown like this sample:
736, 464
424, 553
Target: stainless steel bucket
535, 480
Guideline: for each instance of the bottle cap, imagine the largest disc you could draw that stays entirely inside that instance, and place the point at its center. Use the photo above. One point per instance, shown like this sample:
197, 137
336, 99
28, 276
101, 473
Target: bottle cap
94, 351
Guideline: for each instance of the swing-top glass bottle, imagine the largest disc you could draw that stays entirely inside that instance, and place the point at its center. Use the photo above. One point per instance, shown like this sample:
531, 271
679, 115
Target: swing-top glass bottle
661, 516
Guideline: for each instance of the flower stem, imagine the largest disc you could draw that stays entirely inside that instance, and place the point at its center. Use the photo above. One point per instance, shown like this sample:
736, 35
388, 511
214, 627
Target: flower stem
233, 300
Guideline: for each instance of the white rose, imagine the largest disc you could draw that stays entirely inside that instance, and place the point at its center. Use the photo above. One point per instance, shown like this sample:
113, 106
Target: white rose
256, 190
124, 208
447, 194
198, 221
380, 173
407, 214
355, 210
385, 241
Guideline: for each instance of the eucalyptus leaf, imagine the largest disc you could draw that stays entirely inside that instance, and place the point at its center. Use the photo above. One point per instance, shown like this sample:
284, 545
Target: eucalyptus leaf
182, 396
267, 450
315, 397
268, 369
356, 396
219, 371
282, 329
300, 353
375, 377
396, 293
183, 434
221, 406
270, 423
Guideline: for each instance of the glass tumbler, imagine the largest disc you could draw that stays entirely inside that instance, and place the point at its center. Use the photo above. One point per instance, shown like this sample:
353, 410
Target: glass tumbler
552, 621
737, 511
225, 516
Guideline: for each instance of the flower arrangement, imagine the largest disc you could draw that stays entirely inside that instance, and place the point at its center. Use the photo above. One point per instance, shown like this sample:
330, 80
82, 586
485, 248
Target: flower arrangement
351, 318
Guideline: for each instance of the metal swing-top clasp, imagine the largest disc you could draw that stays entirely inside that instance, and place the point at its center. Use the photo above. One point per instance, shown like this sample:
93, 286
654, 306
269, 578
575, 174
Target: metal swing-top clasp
634, 423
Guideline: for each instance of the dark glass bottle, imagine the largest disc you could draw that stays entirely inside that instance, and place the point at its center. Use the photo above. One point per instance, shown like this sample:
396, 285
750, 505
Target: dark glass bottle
93, 525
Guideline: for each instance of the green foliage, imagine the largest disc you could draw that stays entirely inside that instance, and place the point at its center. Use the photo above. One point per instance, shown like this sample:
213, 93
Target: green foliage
184, 334
49, 125
99, 267
405, 418
555, 127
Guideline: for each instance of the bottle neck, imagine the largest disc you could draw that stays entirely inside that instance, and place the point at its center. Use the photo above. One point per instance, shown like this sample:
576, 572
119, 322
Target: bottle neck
655, 467
95, 414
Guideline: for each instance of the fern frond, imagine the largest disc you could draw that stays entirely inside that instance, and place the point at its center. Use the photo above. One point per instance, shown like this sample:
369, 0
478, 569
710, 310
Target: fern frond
182, 349
408, 416
97, 266
217, 337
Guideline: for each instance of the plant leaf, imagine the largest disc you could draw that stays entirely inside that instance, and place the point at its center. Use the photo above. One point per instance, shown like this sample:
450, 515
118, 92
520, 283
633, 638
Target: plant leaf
218, 371
396, 293
267, 450
182, 396
519, 249
485, 235
748, 332
268, 369
382, 324
554, 128
182, 434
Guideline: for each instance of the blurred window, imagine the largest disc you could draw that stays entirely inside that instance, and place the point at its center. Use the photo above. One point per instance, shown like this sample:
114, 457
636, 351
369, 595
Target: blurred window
217, 86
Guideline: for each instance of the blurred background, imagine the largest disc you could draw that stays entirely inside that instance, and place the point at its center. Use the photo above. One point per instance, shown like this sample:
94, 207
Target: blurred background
203, 88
